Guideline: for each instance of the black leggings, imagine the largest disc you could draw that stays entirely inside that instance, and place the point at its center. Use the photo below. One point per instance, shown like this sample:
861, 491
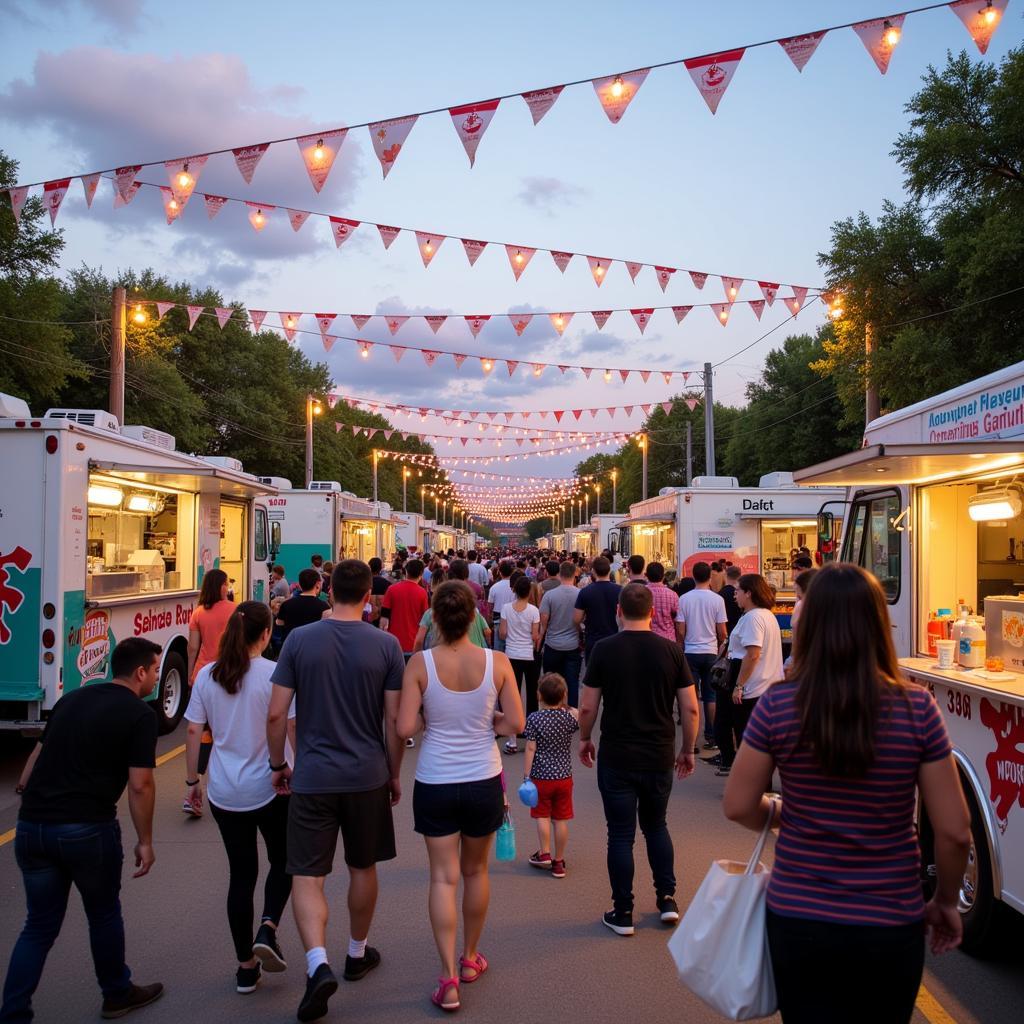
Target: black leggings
730, 720
238, 830
530, 671
845, 973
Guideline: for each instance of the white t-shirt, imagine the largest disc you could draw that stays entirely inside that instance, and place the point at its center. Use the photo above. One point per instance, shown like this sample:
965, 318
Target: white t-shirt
238, 778
758, 628
500, 595
702, 611
519, 641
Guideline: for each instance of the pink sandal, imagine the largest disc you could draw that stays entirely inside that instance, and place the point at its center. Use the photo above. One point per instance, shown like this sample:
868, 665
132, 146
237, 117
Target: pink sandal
476, 963
437, 997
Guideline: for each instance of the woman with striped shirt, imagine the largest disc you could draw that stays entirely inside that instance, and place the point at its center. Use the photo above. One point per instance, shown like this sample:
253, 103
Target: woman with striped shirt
853, 744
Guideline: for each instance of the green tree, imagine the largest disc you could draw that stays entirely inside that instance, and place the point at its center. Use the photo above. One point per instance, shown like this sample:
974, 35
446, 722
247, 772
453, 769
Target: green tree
536, 528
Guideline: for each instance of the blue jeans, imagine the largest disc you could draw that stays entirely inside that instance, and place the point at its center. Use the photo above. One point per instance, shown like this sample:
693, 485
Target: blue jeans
567, 665
700, 666
496, 641
629, 796
51, 858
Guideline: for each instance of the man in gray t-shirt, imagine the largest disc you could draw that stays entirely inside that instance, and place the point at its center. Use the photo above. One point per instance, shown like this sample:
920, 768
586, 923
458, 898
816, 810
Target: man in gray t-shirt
560, 634
346, 678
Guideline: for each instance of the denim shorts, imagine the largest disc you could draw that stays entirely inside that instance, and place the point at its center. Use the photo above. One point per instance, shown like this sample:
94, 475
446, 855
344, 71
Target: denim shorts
473, 809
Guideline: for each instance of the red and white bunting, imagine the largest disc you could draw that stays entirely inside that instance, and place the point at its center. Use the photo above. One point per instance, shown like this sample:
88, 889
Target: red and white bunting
757, 307
697, 278
721, 311
172, 208
471, 122
634, 269
435, 323
587, 371
880, 36
247, 157
258, 214
429, 356
511, 365
666, 408
183, 175
800, 293
319, 152
769, 289
257, 317
646, 409
342, 228
388, 234
214, 204
193, 315
558, 414
223, 315
538, 369
325, 321
792, 304
388, 137
691, 404
133, 189
664, 275
459, 360
560, 321
364, 348
359, 320
397, 351
53, 195
980, 19
598, 268
624, 376
394, 323
163, 308
667, 376
561, 259
732, 286
628, 409
90, 182
645, 375
680, 312
800, 49
540, 101
520, 321
428, 246
577, 413
519, 257
475, 323
600, 317
616, 92
713, 74
124, 177
473, 249
297, 218
290, 323
642, 318
17, 195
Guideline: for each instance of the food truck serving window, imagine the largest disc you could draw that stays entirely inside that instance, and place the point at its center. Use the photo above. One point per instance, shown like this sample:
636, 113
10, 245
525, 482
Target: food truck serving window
873, 539
781, 541
141, 539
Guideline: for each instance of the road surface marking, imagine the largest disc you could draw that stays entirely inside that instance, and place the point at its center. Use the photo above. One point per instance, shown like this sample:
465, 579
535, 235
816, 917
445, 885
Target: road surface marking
164, 758
932, 1008
6, 837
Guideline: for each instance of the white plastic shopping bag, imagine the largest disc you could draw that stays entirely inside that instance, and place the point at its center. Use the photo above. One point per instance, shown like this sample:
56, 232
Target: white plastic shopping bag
720, 946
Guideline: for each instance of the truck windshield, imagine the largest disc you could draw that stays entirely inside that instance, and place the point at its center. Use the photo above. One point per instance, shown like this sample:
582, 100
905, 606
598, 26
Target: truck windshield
873, 541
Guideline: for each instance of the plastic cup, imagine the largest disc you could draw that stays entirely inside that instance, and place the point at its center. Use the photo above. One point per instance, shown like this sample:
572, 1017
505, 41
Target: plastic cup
946, 651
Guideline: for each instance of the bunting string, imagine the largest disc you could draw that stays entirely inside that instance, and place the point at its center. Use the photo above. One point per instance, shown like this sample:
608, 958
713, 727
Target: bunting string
578, 437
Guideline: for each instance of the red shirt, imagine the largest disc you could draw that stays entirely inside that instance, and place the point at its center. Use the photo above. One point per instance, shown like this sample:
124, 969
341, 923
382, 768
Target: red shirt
403, 605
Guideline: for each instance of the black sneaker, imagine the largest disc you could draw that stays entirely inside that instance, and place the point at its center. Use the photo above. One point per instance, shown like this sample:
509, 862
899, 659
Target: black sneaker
668, 909
620, 921
265, 947
360, 967
710, 745
134, 999
319, 989
714, 762
247, 979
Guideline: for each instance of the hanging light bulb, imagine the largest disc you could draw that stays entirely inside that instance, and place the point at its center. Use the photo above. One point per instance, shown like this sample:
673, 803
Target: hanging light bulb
723, 315
519, 257
488, 365
732, 291
890, 33
291, 321
184, 178
607, 376
990, 14
318, 152
599, 270
617, 87
559, 320
428, 248
364, 351
172, 204
139, 315
259, 219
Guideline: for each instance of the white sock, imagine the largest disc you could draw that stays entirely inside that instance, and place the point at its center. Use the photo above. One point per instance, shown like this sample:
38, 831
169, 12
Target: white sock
356, 948
314, 958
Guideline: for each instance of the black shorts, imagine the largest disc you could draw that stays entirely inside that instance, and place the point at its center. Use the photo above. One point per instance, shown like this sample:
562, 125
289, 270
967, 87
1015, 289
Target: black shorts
474, 809
367, 830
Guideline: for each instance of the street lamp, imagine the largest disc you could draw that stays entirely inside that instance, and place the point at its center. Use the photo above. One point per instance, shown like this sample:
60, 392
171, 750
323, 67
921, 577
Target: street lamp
376, 460
406, 473
597, 488
586, 497
313, 408
615, 491
423, 496
642, 441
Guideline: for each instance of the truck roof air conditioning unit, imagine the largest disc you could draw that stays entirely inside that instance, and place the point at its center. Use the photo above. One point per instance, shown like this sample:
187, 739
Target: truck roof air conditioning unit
87, 417
157, 438
279, 482
14, 408
778, 479
715, 481
223, 462
324, 485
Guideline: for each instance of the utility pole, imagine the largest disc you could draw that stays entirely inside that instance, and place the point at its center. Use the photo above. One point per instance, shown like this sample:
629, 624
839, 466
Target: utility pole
689, 452
406, 473
709, 422
313, 408
118, 322
871, 404
643, 479
615, 492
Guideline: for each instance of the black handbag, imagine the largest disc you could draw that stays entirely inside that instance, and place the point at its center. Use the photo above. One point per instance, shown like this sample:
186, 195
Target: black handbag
724, 673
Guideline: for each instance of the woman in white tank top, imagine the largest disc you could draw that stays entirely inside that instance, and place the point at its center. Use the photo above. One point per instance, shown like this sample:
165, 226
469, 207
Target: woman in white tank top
457, 800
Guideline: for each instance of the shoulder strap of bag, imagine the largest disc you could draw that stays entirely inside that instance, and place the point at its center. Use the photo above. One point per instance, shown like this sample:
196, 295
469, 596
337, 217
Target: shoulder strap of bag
755, 857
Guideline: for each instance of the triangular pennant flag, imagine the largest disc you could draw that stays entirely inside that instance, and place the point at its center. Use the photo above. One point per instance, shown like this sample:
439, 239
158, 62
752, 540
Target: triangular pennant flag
342, 228
183, 175
713, 74
540, 101
800, 49
193, 315
162, 309
601, 317
666, 408
17, 195
394, 322
624, 375
214, 204
646, 410
387, 434
598, 268
355, 430
258, 214
634, 269
388, 137
53, 195
511, 364
124, 177
691, 404
667, 376
721, 311
680, 312
577, 413
172, 208
429, 356
800, 292
339, 427
388, 234
611, 410
364, 346
664, 275
980, 19
476, 323
120, 201
697, 278
290, 323
90, 182
520, 441
628, 409
561, 259
329, 340
732, 286
464, 440
297, 218
562, 368
792, 304
645, 375
257, 316
459, 359
769, 289
325, 321
359, 320
471, 122
559, 413
223, 315
757, 307
435, 323
587, 371
538, 369
508, 416
318, 153
520, 321
428, 245
397, 351
247, 157
616, 92
486, 364
642, 318
519, 257
880, 36
560, 321
473, 249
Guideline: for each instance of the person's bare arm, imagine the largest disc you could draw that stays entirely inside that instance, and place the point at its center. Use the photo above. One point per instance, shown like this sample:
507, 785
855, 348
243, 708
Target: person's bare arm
421, 636
26, 772
545, 617
578, 616
195, 641
590, 702
503, 629
141, 798
531, 752
689, 718
745, 801
193, 741
722, 631
751, 657
277, 729
395, 743
411, 703
681, 631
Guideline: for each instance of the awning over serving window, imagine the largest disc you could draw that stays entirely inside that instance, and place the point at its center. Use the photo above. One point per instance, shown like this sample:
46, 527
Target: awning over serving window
205, 479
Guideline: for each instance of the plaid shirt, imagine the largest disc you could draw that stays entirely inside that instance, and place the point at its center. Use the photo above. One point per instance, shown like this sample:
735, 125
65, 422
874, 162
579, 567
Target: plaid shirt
666, 604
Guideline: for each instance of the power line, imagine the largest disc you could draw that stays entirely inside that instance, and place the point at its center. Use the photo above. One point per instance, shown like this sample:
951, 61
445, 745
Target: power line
54, 323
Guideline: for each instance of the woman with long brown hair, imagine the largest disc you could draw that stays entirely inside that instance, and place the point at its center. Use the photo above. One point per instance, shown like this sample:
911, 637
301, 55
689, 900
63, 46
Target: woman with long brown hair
853, 744
232, 697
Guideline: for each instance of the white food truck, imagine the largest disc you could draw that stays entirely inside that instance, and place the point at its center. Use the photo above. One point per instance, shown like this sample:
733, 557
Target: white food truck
412, 533
600, 534
105, 533
935, 512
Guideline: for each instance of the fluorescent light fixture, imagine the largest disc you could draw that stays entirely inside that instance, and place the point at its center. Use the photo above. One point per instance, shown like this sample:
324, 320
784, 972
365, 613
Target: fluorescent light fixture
143, 503
803, 522
996, 503
100, 494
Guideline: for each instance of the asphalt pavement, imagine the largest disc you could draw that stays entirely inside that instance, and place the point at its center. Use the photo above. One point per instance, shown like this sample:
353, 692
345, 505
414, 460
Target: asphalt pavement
550, 956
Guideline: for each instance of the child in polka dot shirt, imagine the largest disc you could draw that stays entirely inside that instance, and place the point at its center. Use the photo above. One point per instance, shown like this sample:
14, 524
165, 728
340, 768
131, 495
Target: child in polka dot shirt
549, 733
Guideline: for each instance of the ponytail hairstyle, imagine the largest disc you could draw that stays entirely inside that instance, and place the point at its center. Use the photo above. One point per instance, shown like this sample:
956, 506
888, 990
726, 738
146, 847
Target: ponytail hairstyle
245, 627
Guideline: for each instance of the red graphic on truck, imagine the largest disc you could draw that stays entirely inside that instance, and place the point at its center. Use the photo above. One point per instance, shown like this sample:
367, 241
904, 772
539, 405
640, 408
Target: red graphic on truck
10, 596
1005, 765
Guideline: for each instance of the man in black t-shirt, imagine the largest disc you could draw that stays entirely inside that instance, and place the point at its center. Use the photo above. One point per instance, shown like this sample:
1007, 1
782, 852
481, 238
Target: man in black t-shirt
378, 588
596, 606
98, 740
305, 607
642, 678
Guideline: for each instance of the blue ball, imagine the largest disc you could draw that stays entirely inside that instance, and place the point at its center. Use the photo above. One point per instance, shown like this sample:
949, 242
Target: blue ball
528, 793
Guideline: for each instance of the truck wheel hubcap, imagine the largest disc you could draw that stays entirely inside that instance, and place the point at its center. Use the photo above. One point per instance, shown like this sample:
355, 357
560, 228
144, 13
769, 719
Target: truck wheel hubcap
969, 884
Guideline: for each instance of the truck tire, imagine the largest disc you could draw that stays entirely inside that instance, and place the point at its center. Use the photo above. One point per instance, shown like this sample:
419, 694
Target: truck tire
172, 694
979, 908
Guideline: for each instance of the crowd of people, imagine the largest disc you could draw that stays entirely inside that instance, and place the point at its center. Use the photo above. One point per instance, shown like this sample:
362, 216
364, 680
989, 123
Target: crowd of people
309, 706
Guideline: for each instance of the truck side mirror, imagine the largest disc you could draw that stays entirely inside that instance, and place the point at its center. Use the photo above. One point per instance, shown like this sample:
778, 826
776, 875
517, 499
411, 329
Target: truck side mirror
825, 526
275, 540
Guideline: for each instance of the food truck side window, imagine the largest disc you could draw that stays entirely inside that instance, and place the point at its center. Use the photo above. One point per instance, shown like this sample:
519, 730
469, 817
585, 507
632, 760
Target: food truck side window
260, 552
873, 542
